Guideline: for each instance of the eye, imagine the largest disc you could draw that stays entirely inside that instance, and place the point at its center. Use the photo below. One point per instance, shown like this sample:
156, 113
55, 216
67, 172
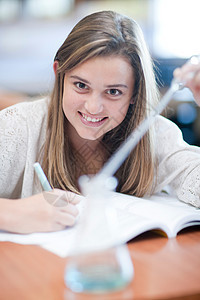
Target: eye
81, 85
114, 92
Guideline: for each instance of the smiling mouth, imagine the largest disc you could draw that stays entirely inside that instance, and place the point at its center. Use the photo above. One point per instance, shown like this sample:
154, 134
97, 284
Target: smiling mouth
93, 120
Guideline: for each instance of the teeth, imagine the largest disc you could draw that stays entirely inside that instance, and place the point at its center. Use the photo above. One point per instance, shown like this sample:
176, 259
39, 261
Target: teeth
91, 119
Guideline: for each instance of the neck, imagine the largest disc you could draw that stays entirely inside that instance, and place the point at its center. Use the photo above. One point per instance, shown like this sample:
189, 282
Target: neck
79, 143
89, 155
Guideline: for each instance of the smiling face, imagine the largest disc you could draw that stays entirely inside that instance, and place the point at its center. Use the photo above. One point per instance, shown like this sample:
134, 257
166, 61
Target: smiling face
96, 96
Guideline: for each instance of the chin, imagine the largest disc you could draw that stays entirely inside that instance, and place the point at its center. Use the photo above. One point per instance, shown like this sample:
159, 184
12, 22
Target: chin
91, 137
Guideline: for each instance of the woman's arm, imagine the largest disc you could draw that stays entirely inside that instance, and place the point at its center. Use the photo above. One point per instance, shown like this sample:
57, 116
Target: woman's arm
178, 162
37, 214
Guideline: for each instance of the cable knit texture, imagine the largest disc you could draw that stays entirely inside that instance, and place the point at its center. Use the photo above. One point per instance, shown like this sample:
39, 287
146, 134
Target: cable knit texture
22, 134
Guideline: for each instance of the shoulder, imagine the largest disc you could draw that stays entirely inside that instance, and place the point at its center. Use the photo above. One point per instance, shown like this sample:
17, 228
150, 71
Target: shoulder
18, 121
39, 105
167, 130
25, 110
168, 138
162, 123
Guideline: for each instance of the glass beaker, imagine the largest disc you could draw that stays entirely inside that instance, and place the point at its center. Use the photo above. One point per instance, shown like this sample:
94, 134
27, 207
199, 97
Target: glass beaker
100, 271
98, 263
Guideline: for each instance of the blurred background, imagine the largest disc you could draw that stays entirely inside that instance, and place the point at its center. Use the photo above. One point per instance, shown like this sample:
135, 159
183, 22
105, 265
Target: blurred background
31, 31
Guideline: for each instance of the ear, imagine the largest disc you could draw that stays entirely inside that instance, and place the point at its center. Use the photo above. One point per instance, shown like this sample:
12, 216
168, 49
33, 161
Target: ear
55, 67
132, 101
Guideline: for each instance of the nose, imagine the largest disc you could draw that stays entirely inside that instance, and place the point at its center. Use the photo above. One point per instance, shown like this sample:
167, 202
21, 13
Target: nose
94, 104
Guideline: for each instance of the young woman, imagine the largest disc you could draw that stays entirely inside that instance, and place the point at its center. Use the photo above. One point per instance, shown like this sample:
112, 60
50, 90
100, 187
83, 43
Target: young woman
104, 87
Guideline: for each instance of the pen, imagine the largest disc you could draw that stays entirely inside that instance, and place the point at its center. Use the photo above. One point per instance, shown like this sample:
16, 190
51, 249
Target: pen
42, 177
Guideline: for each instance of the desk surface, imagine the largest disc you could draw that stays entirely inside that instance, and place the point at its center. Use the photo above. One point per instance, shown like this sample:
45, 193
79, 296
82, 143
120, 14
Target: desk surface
164, 269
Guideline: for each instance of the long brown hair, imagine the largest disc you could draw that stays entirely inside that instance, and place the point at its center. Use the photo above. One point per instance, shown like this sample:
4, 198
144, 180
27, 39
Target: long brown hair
104, 33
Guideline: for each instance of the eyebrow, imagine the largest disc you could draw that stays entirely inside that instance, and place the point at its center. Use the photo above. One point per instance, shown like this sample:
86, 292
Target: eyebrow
109, 86
117, 85
79, 78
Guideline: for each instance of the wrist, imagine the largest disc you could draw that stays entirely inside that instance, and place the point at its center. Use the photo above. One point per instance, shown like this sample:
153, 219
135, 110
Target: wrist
8, 214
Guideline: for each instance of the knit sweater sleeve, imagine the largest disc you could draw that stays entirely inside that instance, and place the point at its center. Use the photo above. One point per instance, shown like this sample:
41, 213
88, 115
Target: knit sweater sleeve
178, 162
20, 140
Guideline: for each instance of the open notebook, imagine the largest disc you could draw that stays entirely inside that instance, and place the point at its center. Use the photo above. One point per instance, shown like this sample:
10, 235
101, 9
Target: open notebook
116, 220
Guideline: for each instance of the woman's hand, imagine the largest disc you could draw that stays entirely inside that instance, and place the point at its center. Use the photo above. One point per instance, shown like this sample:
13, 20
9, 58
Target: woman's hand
45, 212
190, 74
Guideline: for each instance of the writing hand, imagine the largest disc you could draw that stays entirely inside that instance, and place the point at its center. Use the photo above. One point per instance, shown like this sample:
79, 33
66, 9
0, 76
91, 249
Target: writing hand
38, 214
